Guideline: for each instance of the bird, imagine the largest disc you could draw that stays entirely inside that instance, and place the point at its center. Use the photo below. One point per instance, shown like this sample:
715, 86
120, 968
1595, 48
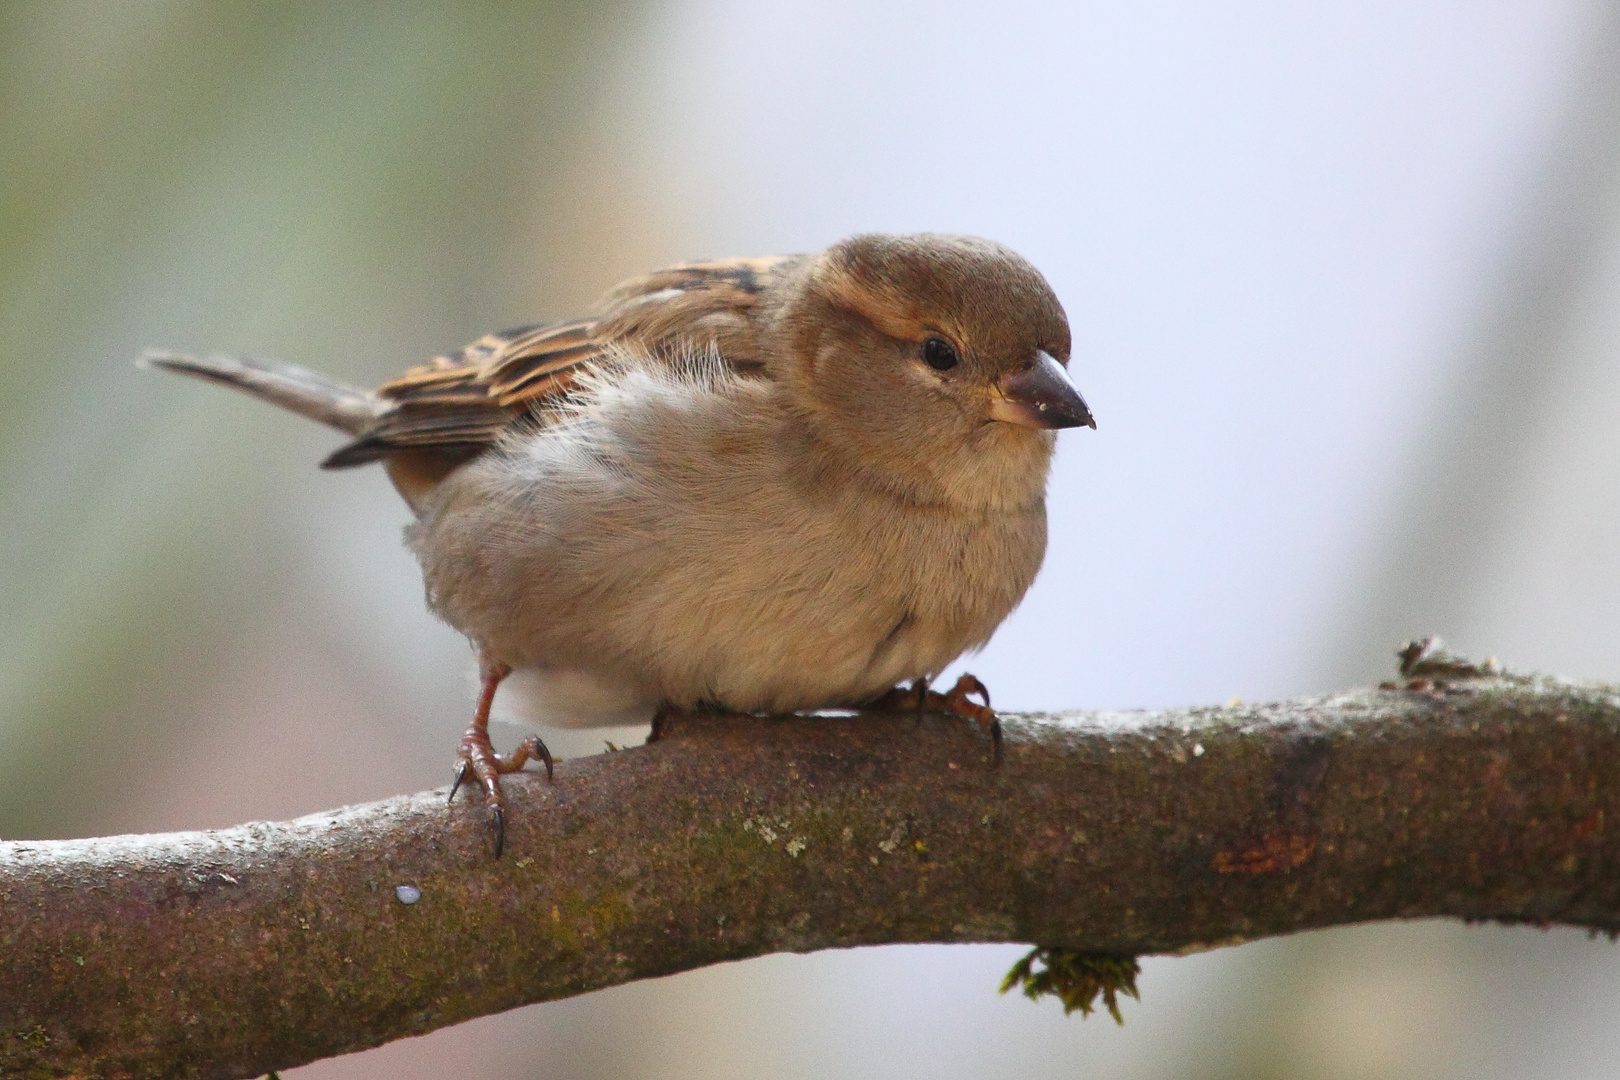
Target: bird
756, 485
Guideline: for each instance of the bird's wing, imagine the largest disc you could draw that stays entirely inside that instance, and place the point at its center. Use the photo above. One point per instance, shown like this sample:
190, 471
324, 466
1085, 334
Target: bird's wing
459, 405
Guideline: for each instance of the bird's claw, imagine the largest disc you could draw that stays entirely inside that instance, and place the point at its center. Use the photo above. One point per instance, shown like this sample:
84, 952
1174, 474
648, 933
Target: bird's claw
956, 702
479, 758
532, 747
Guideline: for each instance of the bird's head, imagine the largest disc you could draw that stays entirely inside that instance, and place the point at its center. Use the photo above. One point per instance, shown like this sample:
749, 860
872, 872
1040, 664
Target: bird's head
941, 359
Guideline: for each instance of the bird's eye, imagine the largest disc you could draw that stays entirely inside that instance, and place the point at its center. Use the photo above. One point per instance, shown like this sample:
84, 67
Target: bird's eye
939, 354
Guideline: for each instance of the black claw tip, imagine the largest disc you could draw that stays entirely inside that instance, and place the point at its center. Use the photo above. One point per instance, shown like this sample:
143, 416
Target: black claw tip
995, 744
497, 822
461, 774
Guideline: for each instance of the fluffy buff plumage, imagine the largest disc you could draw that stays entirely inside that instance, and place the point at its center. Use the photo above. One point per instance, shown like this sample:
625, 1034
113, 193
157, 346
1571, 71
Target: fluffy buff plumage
677, 533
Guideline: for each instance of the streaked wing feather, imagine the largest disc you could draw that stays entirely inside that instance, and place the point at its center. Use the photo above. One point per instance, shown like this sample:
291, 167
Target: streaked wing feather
469, 399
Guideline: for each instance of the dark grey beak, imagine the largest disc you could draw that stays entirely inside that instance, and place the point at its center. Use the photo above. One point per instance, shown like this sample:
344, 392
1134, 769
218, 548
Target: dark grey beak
1040, 396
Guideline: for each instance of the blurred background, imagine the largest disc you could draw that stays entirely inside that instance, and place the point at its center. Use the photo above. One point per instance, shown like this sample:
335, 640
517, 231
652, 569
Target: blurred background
1345, 284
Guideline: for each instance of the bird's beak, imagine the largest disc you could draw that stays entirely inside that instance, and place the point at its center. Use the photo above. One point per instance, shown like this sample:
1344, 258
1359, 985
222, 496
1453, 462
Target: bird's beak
1040, 396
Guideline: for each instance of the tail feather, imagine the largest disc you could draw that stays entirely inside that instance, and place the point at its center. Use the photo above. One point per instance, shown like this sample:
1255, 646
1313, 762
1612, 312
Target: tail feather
302, 391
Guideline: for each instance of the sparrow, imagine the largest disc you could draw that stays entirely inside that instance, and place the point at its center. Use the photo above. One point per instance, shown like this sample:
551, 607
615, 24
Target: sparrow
760, 485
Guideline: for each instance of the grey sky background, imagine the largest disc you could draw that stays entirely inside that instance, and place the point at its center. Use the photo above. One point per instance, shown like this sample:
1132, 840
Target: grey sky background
1343, 285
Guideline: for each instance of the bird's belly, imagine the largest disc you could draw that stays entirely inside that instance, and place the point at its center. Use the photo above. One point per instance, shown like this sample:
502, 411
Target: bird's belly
574, 698
716, 628
798, 669
860, 633
773, 673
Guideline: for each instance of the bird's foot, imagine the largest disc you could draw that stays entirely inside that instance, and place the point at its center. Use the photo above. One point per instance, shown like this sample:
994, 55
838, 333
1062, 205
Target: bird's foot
912, 699
478, 760
476, 757
956, 703
920, 699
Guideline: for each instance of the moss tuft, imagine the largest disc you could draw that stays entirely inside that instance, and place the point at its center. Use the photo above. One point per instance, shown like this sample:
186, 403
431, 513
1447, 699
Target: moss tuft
1076, 978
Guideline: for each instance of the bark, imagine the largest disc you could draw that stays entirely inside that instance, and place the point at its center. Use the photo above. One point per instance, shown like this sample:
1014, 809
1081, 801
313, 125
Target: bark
233, 952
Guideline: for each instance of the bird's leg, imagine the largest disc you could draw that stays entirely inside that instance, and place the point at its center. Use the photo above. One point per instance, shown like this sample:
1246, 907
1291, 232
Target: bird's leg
659, 721
919, 687
478, 757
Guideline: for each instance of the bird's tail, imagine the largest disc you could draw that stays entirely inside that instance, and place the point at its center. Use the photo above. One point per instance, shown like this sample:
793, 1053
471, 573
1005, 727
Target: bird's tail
302, 391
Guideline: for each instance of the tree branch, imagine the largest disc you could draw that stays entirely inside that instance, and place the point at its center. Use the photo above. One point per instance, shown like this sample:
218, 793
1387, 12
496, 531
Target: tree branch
229, 953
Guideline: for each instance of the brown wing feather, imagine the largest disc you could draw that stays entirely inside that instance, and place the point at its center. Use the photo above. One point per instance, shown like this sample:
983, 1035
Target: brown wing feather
463, 403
